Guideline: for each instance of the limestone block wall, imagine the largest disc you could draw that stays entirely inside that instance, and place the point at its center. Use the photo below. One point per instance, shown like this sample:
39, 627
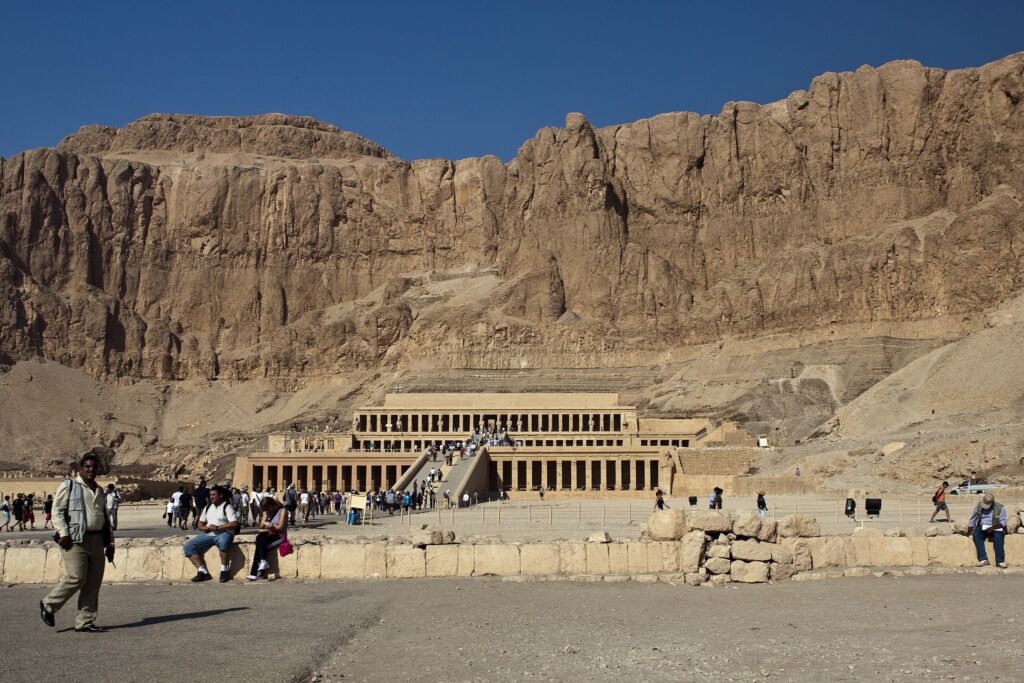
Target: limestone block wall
712, 547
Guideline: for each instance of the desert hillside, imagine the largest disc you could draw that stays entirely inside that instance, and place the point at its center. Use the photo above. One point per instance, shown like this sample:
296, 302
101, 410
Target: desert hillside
826, 269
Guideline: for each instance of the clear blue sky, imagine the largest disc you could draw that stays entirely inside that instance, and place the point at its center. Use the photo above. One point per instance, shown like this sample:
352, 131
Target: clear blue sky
454, 79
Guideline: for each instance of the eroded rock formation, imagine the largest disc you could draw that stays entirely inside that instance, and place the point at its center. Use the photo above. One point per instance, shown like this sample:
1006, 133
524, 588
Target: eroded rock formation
278, 246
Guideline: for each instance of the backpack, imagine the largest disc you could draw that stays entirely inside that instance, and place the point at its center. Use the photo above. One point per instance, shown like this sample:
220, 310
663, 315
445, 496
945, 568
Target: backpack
935, 496
238, 525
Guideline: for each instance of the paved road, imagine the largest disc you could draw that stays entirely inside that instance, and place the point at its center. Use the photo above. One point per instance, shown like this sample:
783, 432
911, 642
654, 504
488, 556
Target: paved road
488, 629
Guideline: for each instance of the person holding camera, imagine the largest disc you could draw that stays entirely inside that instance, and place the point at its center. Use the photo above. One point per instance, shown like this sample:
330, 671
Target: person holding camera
84, 536
988, 521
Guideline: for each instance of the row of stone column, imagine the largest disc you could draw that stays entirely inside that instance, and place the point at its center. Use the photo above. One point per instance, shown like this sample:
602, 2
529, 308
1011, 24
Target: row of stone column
325, 477
572, 475
463, 423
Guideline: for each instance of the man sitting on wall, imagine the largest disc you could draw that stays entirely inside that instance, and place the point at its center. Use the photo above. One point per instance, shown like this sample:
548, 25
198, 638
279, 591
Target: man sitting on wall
219, 524
988, 521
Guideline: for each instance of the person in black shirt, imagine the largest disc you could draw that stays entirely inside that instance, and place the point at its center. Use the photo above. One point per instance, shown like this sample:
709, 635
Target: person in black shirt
48, 512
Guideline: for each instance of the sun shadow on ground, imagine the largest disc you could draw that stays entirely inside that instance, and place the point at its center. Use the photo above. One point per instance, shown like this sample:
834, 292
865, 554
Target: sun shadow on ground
151, 621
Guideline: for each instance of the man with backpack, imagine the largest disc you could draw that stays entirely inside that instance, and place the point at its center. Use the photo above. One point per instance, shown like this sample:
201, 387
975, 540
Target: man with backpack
939, 500
219, 524
988, 521
200, 498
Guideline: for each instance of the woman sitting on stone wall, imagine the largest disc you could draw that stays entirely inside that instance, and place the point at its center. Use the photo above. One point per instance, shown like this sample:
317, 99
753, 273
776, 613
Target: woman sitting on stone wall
274, 522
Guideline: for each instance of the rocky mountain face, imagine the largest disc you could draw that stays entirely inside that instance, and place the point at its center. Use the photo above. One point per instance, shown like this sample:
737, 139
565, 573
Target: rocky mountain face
281, 247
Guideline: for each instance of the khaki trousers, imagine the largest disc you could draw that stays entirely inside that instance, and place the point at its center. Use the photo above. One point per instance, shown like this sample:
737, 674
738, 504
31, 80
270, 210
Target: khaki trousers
83, 574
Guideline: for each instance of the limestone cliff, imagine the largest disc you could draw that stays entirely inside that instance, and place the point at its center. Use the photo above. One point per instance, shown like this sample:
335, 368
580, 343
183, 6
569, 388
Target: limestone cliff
279, 246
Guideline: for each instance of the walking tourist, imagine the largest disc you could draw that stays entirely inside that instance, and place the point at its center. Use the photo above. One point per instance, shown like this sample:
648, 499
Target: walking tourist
169, 513
30, 510
988, 521
18, 512
273, 523
184, 508
304, 505
5, 514
48, 513
113, 503
84, 537
291, 503
243, 507
939, 500
465, 500
762, 505
219, 524
200, 498
659, 502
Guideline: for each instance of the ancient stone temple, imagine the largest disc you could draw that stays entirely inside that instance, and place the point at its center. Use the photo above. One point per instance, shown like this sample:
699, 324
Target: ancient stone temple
561, 442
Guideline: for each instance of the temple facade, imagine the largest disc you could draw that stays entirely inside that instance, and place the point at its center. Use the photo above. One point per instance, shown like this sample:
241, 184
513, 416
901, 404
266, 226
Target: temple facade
562, 442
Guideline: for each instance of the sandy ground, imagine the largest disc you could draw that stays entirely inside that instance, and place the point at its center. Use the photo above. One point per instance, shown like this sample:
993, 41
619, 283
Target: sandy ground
493, 630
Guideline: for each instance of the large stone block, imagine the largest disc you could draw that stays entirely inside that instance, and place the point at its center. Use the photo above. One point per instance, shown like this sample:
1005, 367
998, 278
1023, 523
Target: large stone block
406, 562
951, 551
749, 572
781, 553
376, 561
828, 551
637, 553
176, 566
858, 551
144, 564
618, 558
573, 558
710, 520
442, 560
751, 551
919, 551
747, 525
286, 567
717, 565
3, 555
308, 561
240, 561
1014, 546
597, 558
769, 531
666, 525
343, 561
466, 559
779, 571
655, 561
891, 552
718, 549
691, 551
799, 526
802, 560
54, 568
539, 559
499, 559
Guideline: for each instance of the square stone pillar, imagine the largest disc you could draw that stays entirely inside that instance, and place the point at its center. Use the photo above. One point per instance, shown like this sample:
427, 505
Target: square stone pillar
589, 474
515, 474
558, 475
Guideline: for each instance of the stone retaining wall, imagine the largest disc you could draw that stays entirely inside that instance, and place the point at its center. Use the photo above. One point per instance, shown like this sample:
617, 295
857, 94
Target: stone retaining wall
711, 548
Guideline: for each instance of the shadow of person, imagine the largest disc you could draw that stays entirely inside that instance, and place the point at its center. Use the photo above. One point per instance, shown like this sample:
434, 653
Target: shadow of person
165, 618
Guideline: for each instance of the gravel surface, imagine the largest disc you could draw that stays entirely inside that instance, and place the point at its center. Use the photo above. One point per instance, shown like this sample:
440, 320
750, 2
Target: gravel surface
489, 629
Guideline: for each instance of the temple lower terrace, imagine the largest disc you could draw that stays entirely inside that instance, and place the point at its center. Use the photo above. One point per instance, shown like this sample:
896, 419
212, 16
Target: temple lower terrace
564, 442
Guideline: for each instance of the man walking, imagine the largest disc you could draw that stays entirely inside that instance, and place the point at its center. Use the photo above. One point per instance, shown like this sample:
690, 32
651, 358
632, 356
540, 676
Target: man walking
988, 521
201, 498
84, 536
113, 502
939, 499
219, 524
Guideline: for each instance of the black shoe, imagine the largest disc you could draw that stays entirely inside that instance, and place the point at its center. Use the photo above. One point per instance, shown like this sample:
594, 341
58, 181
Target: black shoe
46, 615
225, 577
201, 576
91, 628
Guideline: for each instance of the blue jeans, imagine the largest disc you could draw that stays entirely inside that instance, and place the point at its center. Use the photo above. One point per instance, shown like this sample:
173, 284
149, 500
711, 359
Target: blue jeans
203, 542
997, 543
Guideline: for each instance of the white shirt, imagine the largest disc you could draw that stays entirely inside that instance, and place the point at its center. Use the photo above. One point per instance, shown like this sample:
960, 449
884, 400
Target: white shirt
218, 516
245, 498
113, 500
176, 496
304, 499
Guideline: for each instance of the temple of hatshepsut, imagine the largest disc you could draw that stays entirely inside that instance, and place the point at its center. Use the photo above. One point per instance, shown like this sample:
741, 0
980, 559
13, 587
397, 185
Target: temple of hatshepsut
561, 442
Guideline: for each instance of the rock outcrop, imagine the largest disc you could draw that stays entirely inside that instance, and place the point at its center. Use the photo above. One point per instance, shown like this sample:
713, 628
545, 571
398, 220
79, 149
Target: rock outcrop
275, 246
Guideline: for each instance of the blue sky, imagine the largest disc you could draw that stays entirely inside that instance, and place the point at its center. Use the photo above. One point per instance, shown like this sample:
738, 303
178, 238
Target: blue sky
454, 79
